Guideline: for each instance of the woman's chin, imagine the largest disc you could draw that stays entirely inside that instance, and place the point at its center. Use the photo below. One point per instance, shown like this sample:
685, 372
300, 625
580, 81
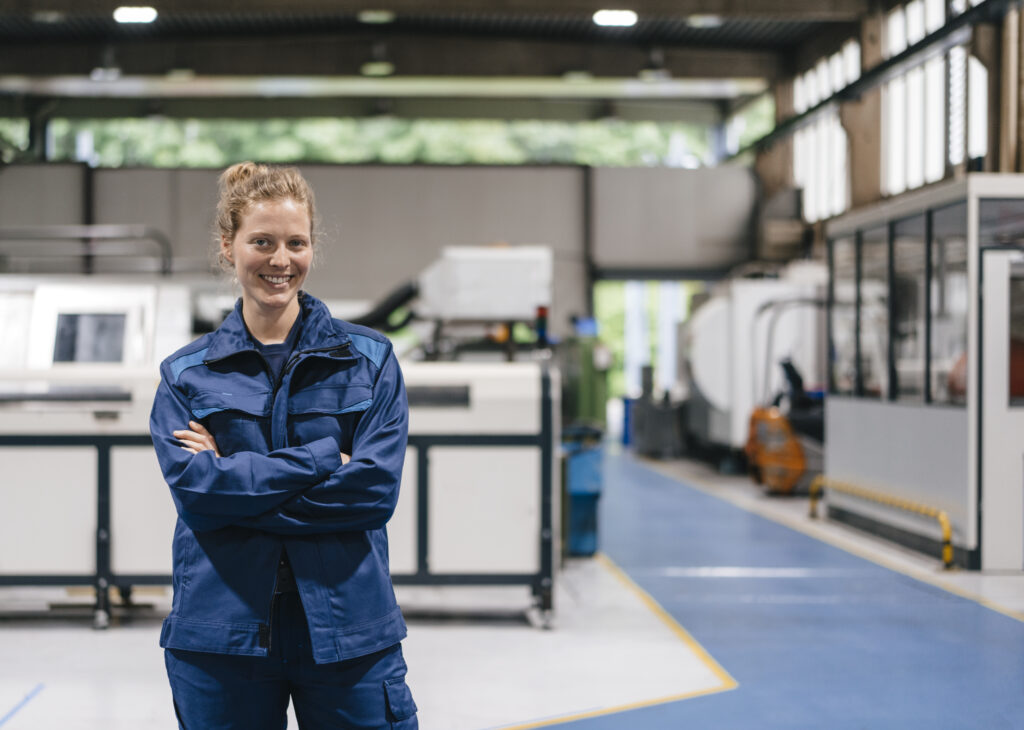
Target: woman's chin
273, 300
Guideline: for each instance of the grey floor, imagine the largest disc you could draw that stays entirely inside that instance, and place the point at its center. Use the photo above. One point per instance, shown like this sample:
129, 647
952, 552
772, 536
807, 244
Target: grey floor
476, 658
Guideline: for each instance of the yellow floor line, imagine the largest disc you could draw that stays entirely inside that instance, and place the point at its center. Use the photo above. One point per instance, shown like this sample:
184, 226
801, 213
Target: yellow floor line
727, 681
808, 528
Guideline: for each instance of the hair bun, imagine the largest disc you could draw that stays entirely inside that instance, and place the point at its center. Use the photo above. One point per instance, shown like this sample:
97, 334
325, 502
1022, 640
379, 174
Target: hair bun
239, 173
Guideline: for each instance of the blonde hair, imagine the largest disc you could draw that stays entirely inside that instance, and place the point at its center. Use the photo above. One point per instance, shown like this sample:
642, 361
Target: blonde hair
246, 183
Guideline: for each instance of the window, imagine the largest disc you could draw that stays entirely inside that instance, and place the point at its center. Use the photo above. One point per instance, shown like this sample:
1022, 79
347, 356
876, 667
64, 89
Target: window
977, 109
1001, 223
843, 321
1016, 348
913, 103
820, 149
949, 304
935, 113
874, 313
957, 104
908, 304
164, 142
89, 338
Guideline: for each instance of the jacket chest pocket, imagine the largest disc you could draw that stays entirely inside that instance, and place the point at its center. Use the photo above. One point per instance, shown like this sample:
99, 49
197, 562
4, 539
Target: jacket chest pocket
237, 422
330, 410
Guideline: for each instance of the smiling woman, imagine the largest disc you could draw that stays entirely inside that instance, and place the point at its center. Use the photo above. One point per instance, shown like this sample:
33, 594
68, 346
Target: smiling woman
265, 223
282, 437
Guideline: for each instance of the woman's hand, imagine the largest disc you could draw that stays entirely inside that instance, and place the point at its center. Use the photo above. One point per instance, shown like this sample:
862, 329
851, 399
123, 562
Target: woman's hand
345, 458
197, 439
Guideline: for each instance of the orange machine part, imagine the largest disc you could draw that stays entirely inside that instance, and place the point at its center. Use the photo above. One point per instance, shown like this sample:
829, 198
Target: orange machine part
774, 451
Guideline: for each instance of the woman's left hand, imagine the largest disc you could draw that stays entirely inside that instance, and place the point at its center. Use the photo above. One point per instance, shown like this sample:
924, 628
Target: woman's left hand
197, 439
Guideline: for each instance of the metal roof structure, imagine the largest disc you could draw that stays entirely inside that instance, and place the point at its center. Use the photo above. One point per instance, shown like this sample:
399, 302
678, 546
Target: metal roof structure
508, 58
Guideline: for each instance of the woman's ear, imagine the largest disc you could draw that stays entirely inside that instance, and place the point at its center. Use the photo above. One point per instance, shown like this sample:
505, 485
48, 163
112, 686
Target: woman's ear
225, 249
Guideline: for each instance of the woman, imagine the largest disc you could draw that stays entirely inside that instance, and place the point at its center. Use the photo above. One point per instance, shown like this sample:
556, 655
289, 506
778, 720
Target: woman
281, 582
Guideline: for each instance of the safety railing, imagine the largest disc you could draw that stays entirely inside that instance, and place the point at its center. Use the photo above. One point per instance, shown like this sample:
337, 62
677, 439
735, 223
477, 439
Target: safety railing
90, 235
821, 482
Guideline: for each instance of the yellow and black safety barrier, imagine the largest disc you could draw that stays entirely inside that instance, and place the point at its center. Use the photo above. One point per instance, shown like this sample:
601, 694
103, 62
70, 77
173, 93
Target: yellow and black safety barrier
821, 481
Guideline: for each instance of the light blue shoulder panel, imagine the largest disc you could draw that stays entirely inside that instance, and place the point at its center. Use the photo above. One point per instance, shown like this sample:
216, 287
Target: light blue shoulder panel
186, 361
371, 348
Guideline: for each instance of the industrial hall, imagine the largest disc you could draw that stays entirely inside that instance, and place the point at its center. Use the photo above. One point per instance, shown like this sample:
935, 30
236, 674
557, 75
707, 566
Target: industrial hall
473, 365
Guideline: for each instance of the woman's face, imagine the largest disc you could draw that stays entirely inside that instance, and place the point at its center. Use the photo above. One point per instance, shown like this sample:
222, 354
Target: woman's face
272, 251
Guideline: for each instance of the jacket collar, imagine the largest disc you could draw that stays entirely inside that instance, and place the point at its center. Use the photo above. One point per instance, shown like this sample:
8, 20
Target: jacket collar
319, 330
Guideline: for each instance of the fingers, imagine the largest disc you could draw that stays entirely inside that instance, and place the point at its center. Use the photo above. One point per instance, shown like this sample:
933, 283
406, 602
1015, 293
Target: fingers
199, 428
196, 441
345, 458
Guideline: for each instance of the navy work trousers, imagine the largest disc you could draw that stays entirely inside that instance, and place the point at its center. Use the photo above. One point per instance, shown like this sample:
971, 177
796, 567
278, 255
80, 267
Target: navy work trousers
225, 692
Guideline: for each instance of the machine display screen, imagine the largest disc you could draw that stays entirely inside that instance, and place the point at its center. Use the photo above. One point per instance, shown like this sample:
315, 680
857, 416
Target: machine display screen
89, 338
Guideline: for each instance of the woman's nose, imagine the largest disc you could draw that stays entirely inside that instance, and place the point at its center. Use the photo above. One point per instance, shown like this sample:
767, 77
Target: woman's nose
279, 257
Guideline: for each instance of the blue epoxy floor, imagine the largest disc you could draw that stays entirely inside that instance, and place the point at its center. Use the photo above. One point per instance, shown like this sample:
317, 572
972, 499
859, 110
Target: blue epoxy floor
815, 636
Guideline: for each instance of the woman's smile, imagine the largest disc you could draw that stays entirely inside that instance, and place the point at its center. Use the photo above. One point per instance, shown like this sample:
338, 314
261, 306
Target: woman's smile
272, 252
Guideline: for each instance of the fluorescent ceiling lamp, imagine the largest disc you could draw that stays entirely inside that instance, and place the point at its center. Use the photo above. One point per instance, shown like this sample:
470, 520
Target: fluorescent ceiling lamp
377, 68
376, 17
130, 14
705, 21
48, 16
617, 18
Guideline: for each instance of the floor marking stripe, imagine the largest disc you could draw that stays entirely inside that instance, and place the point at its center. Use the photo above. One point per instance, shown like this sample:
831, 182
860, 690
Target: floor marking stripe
727, 681
820, 534
24, 701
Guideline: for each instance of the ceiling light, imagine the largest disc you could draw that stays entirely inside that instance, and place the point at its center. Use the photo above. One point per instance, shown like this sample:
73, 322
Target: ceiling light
617, 18
134, 14
48, 16
377, 68
375, 17
105, 73
705, 21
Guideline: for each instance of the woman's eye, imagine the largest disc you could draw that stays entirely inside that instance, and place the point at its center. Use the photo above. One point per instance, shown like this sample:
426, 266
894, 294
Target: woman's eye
297, 243
261, 242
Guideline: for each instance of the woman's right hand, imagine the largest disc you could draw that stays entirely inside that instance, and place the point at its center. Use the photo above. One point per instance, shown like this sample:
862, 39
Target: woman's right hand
345, 458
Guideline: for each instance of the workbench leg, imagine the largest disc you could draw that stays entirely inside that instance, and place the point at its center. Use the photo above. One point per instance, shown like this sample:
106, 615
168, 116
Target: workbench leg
101, 611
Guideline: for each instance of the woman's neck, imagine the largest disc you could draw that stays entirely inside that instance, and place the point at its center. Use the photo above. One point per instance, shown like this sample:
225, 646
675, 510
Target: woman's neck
269, 326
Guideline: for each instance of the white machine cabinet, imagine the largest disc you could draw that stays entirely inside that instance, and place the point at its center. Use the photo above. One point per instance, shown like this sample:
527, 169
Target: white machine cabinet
477, 502
86, 503
926, 388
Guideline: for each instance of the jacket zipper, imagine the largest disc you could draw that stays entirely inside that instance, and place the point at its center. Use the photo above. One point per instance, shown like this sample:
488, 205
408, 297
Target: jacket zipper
267, 629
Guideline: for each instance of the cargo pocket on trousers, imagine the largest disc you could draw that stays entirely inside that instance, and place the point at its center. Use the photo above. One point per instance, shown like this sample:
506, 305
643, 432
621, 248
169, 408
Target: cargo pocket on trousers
401, 708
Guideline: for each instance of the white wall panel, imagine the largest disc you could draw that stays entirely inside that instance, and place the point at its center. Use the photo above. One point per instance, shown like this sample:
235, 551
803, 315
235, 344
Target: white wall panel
915, 452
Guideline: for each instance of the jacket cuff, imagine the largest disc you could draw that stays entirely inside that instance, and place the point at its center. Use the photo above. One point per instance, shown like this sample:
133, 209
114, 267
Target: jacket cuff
326, 457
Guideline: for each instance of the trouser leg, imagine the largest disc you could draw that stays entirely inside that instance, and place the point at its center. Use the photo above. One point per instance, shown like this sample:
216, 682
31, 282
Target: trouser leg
365, 693
223, 692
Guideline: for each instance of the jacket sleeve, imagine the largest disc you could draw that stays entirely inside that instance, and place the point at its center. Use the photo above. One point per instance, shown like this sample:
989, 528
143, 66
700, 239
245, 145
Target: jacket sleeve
362, 494
210, 492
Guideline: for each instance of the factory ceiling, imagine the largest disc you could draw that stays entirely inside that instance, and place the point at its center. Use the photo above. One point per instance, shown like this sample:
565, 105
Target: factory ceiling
684, 59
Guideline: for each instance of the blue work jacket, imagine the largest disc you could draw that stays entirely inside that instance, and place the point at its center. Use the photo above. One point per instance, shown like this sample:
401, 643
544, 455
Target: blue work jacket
279, 485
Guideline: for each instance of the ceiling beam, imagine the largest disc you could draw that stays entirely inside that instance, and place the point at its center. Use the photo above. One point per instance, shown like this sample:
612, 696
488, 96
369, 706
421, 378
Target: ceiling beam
701, 113
411, 55
834, 10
